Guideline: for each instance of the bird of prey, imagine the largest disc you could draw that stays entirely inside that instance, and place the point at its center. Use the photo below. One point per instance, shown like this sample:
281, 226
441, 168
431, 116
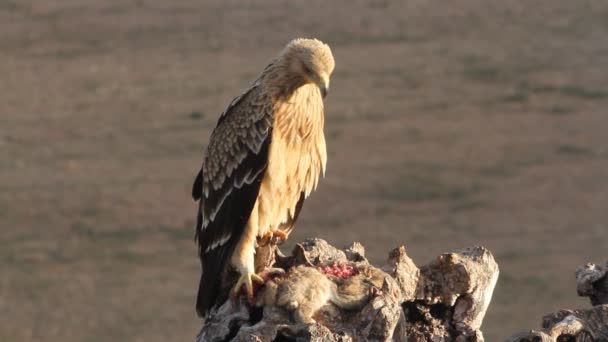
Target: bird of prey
264, 158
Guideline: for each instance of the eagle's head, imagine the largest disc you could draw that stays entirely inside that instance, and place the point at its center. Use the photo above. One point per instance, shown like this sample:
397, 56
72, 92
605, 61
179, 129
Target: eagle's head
310, 60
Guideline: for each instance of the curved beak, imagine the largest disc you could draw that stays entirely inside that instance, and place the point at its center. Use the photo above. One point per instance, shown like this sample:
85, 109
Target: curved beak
324, 88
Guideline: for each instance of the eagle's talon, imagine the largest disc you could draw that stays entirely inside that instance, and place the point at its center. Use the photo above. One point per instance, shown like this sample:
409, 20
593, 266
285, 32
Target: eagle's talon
274, 237
278, 236
247, 280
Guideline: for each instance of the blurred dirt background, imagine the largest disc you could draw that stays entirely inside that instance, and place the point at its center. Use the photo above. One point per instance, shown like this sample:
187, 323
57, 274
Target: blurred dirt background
449, 124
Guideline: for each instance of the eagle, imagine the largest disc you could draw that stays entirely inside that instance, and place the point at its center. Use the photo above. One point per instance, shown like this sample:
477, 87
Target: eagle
264, 158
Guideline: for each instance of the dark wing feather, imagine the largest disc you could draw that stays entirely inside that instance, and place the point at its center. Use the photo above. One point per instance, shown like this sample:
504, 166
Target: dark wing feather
197, 187
228, 185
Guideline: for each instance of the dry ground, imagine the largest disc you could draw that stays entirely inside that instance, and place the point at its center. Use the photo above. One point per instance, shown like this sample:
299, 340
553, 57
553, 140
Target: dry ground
449, 124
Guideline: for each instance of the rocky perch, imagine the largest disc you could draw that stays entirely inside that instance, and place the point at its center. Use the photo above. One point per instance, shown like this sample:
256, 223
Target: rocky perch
330, 294
583, 325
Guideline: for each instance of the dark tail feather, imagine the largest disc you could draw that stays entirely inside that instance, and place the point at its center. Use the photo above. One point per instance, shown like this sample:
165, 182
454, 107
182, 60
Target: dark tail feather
204, 299
201, 304
209, 285
210, 291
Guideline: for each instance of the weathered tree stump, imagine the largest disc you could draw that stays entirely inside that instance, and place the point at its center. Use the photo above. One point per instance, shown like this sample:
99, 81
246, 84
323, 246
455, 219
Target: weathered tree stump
583, 325
328, 294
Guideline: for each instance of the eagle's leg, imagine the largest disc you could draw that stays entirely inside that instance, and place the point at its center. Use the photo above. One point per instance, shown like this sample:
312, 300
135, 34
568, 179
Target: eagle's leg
243, 259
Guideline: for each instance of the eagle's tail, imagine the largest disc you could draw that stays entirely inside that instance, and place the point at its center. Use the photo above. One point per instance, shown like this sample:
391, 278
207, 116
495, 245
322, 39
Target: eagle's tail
202, 301
210, 290
208, 287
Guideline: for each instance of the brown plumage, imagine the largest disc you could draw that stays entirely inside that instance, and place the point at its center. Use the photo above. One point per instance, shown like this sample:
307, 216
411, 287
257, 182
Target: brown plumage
264, 158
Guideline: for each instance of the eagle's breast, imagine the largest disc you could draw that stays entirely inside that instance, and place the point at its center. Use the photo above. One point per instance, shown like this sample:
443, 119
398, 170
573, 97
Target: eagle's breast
296, 158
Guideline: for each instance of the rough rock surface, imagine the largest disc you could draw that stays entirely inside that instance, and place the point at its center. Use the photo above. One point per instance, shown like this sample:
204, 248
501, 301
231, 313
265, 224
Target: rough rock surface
577, 325
331, 294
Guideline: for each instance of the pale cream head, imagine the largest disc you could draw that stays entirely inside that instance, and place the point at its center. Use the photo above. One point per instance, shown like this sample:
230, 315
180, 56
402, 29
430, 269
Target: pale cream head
312, 60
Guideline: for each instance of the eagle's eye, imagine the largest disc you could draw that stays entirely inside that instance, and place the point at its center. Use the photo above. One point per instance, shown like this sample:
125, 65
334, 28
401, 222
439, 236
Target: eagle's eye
307, 70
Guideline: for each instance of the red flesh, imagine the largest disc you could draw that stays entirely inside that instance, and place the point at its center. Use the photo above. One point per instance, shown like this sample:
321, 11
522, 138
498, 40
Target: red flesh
339, 270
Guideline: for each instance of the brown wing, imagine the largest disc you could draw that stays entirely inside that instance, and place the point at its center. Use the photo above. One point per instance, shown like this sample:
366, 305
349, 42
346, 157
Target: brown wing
227, 186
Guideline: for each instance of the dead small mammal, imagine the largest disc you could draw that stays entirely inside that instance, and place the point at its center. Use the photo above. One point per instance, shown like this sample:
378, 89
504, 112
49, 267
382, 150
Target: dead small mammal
304, 290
